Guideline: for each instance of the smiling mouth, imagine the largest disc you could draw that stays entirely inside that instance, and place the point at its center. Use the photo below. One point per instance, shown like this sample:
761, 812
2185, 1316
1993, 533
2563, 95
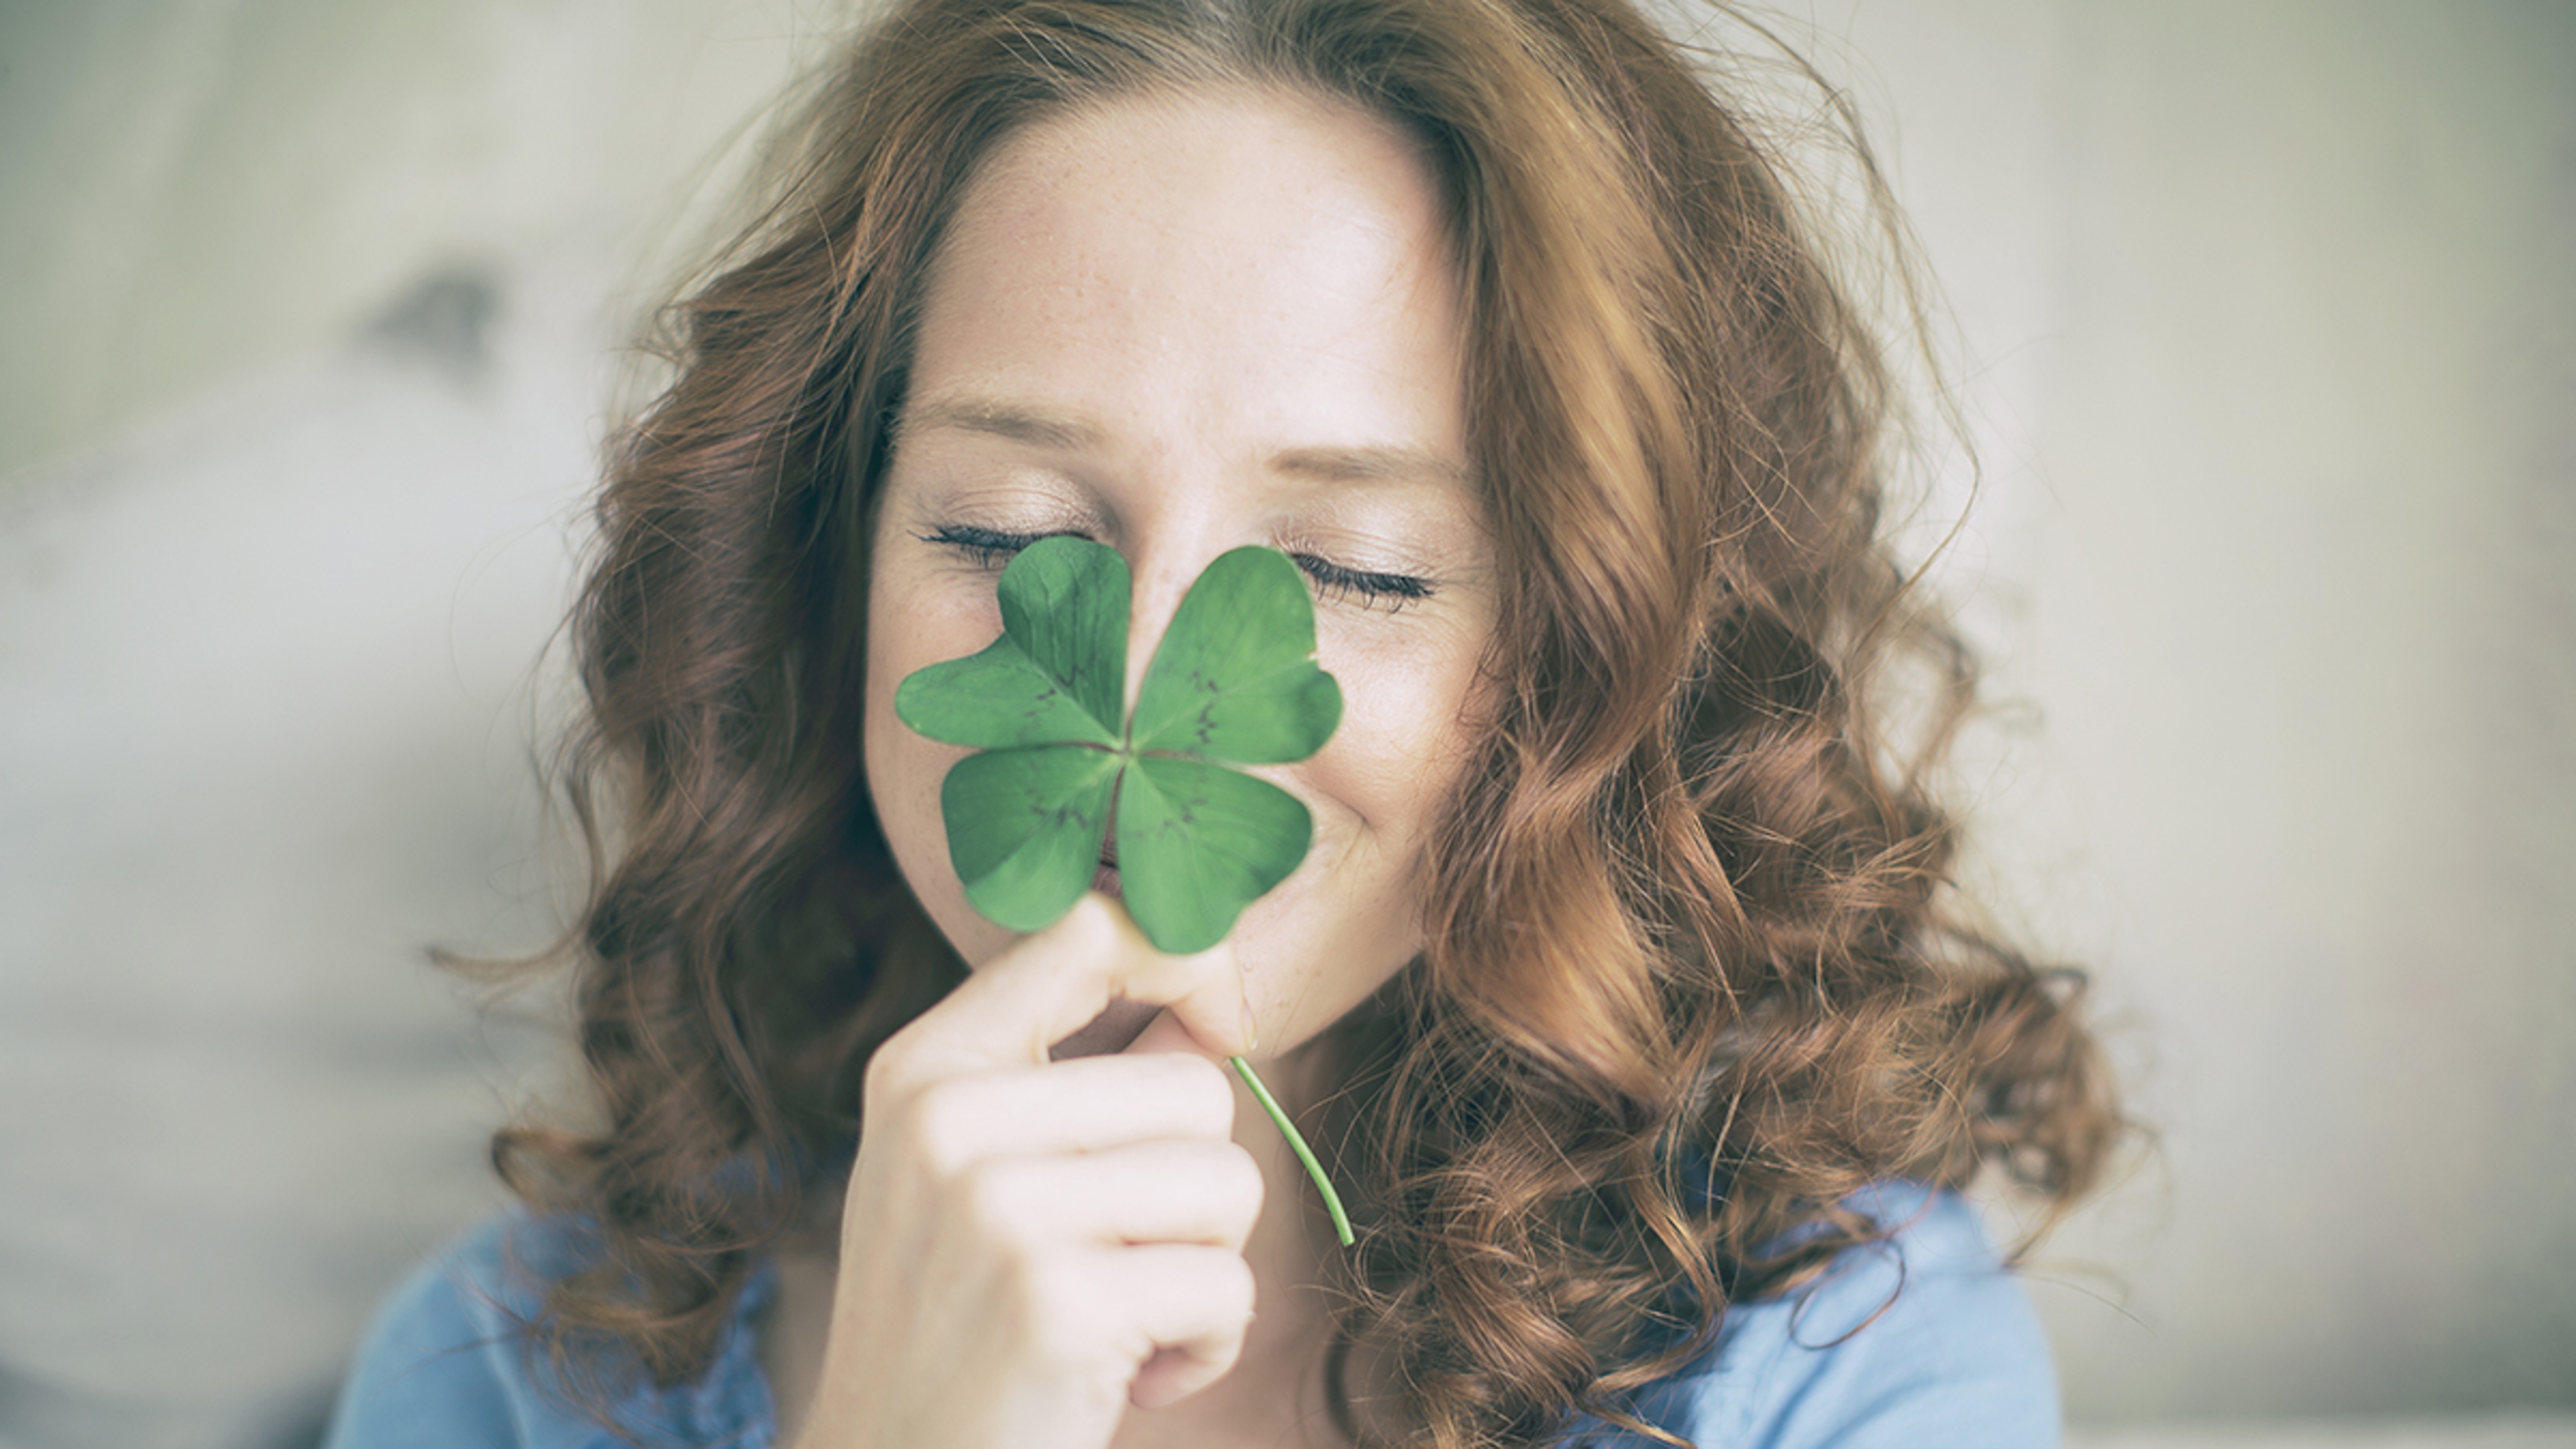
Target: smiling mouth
1105, 879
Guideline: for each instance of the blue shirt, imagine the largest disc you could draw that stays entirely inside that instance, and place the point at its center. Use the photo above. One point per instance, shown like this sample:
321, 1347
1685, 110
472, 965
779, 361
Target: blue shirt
1923, 1341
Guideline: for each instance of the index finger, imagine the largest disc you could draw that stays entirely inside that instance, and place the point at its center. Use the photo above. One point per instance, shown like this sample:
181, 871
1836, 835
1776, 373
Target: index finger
1050, 984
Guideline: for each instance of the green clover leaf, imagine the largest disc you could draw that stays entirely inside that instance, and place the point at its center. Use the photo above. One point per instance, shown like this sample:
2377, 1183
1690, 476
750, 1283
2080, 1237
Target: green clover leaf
1233, 682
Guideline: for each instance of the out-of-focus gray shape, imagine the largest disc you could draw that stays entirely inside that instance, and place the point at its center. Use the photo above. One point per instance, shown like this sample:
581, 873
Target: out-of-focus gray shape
270, 692
442, 321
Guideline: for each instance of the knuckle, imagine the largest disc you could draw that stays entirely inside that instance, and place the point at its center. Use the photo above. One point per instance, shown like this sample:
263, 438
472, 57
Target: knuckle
1240, 1186
1203, 1087
887, 1073
940, 1119
1233, 1289
1057, 1307
995, 1197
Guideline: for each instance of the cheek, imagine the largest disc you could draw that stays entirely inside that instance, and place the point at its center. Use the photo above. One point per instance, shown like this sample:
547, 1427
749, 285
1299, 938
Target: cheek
891, 772
917, 616
903, 769
1379, 786
889, 660
895, 767
1405, 735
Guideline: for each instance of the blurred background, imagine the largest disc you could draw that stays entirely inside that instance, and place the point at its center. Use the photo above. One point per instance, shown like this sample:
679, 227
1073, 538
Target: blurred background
2263, 321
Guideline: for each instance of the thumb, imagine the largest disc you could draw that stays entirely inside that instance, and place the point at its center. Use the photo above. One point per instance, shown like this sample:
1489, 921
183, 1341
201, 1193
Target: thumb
1167, 1033
1047, 985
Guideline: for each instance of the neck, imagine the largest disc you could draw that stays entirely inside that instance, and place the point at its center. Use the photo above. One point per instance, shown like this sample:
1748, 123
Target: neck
1291, 1314
1292, 1242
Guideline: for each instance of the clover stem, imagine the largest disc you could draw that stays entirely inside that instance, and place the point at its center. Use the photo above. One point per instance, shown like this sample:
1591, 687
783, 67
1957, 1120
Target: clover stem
1296, 1144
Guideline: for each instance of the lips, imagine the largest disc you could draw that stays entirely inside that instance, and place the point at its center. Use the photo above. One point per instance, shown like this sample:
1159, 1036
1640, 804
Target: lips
1105, 879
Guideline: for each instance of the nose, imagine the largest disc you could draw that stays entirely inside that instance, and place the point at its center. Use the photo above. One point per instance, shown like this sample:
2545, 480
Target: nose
1160, 579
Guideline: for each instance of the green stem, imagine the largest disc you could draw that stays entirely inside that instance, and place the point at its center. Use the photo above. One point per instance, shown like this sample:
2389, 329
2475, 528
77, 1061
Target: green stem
1297, 1144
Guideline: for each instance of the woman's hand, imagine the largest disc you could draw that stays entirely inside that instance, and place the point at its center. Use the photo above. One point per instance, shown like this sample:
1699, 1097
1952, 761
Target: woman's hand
1028, 1247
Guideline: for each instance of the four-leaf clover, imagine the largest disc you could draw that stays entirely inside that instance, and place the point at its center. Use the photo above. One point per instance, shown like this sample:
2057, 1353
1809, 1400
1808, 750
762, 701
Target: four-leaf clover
1234, 682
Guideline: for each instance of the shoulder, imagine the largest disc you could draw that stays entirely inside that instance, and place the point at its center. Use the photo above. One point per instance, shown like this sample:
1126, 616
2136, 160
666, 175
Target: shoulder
449, 1359
1924, 1339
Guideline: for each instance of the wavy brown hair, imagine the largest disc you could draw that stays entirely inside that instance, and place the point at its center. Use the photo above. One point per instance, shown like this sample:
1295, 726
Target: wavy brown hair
1695, 974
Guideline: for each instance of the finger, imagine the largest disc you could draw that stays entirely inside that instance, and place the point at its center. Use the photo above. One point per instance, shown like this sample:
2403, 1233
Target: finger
1050, 984
1206, 1193
1163, 1035
1167, 1378
1185, 1309
1087, 1104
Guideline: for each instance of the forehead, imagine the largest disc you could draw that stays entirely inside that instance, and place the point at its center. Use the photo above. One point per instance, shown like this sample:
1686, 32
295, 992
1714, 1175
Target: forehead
1259, 259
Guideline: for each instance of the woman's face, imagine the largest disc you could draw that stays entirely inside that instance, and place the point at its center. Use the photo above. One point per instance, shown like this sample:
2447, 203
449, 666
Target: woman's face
1177, 325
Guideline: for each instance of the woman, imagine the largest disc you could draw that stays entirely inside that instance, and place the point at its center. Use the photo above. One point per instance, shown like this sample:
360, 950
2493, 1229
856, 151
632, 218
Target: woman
1619, 982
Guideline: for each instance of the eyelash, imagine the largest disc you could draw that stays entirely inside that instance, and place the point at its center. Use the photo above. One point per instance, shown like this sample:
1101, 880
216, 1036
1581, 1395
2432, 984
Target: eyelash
989, 548
1333, 581
992, 548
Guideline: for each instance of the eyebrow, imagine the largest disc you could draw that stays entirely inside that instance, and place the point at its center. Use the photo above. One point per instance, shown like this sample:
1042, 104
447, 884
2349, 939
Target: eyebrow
1058, 432
1018, 425
1369, 465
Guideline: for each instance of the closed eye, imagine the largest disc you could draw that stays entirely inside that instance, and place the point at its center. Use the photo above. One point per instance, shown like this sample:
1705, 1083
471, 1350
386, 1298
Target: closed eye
992, 548
1332, 581
988, 547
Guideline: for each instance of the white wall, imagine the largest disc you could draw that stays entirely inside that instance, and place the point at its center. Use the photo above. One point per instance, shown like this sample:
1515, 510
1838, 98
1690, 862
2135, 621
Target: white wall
192, 188
2284, 551
2268, 338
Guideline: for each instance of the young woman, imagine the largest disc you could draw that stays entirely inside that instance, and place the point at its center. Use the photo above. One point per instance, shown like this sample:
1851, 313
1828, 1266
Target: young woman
1619, 985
